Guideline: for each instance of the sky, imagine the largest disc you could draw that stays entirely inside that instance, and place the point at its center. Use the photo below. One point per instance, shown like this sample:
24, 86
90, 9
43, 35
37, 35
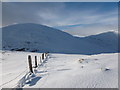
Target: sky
78, 18
59, 0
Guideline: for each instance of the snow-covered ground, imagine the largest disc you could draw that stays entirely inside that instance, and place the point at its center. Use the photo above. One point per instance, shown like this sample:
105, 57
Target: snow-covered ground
14, 67
60, 71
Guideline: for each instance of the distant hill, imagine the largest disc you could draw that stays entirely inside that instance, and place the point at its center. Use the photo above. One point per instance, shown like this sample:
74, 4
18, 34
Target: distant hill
39, 38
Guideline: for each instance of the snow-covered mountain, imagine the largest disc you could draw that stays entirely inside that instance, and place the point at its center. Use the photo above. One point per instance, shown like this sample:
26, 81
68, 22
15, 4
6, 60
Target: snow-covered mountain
106, 39
40, 38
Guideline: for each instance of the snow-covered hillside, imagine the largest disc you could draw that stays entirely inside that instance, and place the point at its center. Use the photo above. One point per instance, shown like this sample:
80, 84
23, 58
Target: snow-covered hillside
60, 71
39, 38
71, 58
106, 39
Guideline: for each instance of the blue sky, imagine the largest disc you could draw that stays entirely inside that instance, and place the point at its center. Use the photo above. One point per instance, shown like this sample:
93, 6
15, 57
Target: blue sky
66, 16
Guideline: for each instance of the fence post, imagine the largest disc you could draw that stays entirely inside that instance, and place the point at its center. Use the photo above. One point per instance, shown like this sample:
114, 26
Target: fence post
30, 63
35, 61
43, 56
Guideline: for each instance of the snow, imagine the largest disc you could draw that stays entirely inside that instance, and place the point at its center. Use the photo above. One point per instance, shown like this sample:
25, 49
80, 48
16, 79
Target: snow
73, 62
60, 71
14, 66
40, 38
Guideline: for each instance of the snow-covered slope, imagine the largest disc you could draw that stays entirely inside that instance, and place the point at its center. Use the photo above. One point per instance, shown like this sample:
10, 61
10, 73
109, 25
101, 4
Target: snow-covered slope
60, 71
35, 37
106, 39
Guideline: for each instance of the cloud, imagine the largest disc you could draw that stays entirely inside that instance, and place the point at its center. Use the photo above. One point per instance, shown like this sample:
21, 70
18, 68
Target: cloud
29, 12
54, 14
90, 29
0, 14
63, 14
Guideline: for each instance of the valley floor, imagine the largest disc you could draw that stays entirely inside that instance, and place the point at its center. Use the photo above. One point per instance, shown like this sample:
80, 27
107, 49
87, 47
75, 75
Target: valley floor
60, 71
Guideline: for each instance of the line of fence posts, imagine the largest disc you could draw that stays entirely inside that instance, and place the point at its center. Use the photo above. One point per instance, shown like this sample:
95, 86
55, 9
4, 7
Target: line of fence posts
44, 55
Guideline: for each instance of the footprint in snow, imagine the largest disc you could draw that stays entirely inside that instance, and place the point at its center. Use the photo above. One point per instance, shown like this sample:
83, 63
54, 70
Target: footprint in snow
106, 69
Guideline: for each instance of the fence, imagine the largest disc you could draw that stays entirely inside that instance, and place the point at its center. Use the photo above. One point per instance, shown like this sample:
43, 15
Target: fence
37, 61
27, 76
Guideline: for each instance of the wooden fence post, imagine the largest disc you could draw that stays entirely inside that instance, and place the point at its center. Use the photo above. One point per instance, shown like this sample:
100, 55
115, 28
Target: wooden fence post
43, 56
35, 61
30, 64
